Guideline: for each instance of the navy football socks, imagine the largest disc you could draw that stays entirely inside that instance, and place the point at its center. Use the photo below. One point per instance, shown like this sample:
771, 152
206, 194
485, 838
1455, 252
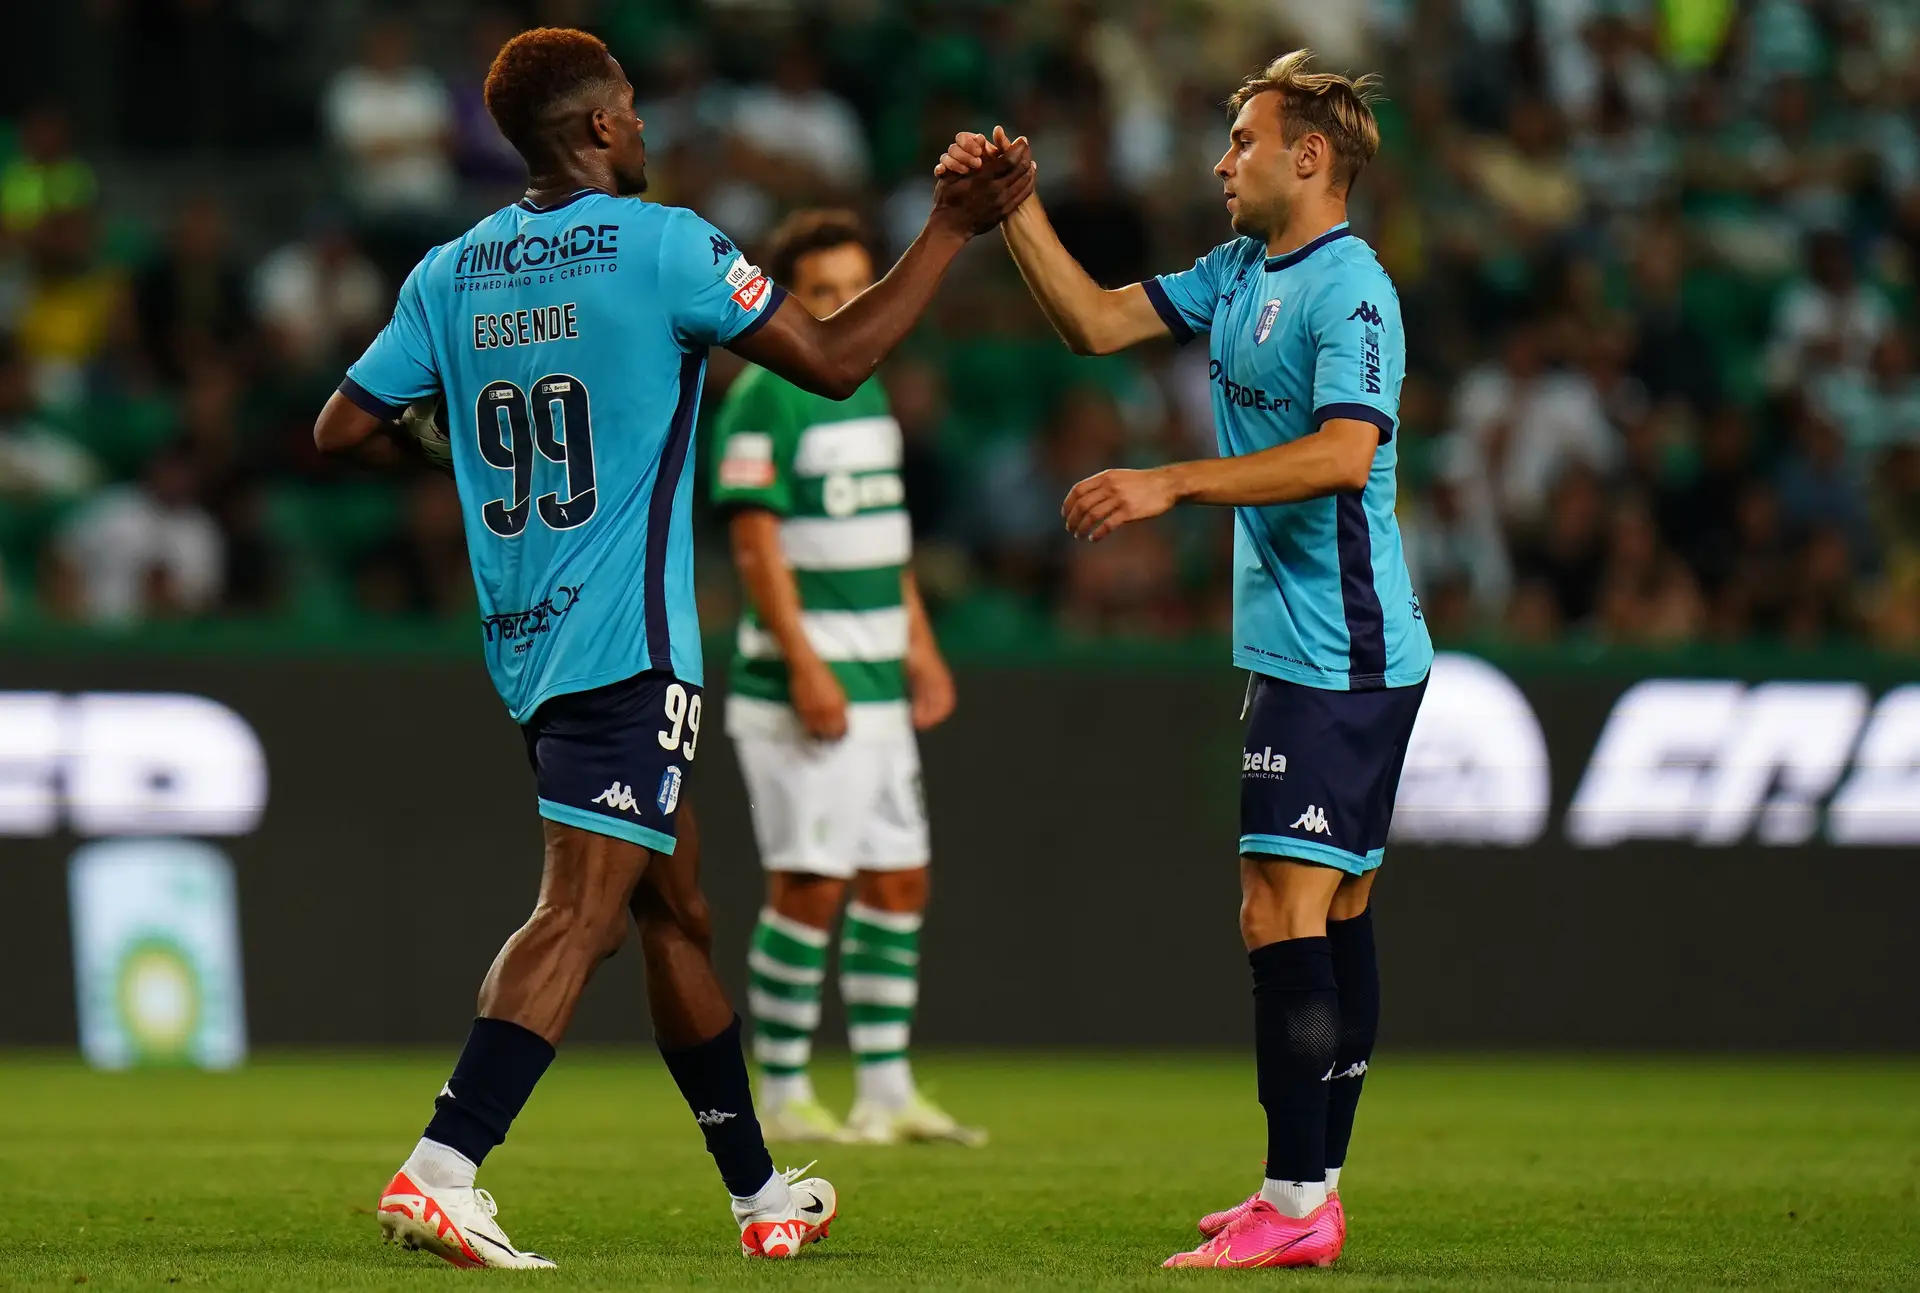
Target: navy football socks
498, 1069
1357, 970
713, 1078
1296, 1028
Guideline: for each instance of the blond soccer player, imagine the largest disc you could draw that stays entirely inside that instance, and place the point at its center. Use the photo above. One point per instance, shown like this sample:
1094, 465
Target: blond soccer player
1303, 330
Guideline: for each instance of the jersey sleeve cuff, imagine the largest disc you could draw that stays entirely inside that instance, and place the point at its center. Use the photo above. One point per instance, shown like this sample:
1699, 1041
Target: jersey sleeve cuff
1169, 314
367, 402
1359, 413
759, 321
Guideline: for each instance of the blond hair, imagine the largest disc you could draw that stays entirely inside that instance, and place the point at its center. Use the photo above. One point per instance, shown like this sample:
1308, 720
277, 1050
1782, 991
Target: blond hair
1339, 107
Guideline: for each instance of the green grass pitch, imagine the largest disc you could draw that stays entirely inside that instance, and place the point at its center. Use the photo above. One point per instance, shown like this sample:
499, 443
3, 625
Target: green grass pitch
1467, 1173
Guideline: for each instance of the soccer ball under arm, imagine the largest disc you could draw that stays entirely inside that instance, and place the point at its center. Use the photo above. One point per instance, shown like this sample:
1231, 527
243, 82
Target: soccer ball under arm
425, 423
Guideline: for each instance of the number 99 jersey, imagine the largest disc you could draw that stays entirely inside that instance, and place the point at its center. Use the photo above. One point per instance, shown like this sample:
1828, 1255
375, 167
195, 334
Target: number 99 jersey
569, 343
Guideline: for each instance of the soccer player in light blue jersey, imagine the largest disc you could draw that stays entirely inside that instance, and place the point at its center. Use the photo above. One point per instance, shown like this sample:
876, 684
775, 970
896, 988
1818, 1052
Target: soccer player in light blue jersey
567, 337
1307, 355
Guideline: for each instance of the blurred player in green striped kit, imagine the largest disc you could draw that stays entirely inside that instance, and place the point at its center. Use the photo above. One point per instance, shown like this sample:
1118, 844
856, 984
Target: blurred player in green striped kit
834, 670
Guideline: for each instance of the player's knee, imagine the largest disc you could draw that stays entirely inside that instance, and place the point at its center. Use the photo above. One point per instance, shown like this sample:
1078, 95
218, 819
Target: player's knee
1251, 926
896, 891
812, 900
1270, 917
1260, 912
1351, 898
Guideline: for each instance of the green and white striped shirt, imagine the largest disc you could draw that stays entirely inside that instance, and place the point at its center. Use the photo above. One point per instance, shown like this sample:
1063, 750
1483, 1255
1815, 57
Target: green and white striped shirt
831, 472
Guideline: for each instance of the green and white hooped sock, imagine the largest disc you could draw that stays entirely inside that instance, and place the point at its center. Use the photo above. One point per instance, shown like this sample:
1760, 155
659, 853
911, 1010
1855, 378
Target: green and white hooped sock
787, 964
880, 981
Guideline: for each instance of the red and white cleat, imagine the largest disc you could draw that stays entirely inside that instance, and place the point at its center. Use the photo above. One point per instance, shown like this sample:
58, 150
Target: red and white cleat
1260, 1236
811, 1207
456, 1225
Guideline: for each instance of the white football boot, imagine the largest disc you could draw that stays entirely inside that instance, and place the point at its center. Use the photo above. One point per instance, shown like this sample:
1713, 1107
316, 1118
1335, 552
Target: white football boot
801, 1121
872, 1123
456, 1225
811, 1207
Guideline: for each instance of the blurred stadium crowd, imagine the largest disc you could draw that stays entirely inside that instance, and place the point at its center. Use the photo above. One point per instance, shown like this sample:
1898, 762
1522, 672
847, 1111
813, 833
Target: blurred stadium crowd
1656, 258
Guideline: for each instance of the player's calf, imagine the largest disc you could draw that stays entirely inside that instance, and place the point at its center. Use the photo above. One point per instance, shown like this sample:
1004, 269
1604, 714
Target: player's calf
1356, 969
880, 981
787, 969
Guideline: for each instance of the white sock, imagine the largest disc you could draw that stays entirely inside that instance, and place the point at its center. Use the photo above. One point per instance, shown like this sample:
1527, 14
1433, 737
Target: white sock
1294, 1198
777, 1089
886, 1082
774, 1196
437, 1167
1333, 1179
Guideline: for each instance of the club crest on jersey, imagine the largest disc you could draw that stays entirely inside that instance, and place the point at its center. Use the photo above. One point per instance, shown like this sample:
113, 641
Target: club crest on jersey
1268, 314
669, 794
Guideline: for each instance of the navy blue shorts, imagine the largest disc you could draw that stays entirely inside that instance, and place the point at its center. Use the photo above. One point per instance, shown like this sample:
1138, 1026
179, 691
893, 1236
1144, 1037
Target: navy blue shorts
1320, 769
613, 760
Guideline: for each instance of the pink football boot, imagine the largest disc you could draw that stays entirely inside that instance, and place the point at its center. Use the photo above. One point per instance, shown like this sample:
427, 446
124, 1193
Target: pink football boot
1260, 1236
1214, 1222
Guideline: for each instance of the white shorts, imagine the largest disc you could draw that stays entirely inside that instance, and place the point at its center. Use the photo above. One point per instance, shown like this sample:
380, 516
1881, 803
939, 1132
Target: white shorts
832, 808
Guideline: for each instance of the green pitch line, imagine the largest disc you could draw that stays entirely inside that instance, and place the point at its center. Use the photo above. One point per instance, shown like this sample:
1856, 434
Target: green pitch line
1466, 1173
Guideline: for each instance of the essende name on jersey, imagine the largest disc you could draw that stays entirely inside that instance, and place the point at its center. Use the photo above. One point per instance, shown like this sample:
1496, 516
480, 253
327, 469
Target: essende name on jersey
531, 327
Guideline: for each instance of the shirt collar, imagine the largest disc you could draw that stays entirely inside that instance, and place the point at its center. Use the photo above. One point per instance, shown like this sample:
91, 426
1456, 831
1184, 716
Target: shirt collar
1299, 254
527, 204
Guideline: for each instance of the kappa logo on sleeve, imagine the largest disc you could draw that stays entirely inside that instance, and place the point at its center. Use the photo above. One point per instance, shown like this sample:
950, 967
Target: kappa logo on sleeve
1367, 314
721, 247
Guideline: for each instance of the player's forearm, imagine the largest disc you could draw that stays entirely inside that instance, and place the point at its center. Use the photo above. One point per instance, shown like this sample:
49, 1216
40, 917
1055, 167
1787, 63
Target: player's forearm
919, 627
1080, 310
769, 582
856, 338
1334, 460
1066, 293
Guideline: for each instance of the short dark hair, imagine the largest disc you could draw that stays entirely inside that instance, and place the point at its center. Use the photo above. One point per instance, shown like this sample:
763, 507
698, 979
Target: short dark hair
804, 232
536, 73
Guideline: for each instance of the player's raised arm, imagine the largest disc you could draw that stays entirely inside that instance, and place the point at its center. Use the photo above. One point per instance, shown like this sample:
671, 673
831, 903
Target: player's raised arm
1092, 320
833, 356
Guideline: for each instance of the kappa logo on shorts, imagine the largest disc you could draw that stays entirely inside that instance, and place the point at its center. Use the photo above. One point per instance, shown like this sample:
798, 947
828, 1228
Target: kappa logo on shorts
619, 798
668, 796
1313, 822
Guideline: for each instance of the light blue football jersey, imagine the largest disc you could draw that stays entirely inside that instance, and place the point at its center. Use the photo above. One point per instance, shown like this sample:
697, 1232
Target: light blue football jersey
1321, 594
570, 343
